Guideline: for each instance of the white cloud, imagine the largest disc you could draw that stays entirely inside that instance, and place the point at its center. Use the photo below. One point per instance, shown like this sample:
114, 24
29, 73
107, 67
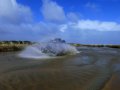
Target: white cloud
92, 25
16, 22
92, 6
72, 17
63, 28
12, 12
91, 32
97, 25
52, 11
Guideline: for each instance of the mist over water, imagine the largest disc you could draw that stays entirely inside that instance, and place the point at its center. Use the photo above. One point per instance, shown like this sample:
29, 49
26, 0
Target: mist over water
49, 49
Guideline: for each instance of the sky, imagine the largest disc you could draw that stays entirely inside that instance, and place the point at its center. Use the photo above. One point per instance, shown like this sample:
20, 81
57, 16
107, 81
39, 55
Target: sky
76, 21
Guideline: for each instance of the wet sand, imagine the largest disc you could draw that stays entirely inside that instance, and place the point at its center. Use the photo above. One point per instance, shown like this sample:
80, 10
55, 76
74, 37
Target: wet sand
114, 82
92, 69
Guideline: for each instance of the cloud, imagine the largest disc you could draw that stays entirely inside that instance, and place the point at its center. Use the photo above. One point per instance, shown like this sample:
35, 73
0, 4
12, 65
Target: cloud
12, 12
91, 32
93, 25
16, 22
92, 6
97, 25
52, 11
72, 17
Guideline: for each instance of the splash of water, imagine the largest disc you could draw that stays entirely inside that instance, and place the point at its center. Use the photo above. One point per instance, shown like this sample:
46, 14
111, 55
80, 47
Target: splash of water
47, 50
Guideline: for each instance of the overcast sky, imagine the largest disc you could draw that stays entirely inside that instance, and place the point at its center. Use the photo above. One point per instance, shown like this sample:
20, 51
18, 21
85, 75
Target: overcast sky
78, 21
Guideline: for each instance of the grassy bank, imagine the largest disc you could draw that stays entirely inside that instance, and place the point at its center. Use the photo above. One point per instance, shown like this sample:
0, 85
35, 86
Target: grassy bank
15, 47
96, 45
6, 46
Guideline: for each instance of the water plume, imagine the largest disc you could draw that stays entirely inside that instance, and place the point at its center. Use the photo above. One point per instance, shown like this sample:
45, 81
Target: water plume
53, 48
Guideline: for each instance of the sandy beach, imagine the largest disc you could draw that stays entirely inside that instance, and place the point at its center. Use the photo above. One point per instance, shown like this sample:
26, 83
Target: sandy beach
91, 69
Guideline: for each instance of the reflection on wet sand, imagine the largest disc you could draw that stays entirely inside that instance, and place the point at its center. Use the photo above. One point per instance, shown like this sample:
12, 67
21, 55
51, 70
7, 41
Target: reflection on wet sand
92, 69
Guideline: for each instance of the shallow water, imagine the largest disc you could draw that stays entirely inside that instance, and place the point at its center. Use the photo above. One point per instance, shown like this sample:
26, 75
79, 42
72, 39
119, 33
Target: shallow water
89, 70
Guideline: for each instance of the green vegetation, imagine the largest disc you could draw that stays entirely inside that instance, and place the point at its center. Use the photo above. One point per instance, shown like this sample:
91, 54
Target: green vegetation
96, 45
6, 46
13, 45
